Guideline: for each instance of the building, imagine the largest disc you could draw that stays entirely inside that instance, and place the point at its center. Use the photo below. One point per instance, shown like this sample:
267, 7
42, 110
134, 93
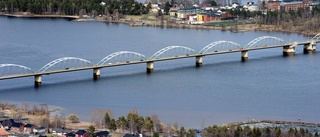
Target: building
287, 6
253, 8
81, 133
102, 133
17, 127
60, 131
273, 5
28, 128
39, 130
182, 13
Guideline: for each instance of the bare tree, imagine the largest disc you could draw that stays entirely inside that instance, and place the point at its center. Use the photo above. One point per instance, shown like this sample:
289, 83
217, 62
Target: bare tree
25, 107
97, 117
156, 123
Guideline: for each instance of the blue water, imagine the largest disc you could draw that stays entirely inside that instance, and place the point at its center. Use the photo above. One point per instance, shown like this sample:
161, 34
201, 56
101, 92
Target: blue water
224, 89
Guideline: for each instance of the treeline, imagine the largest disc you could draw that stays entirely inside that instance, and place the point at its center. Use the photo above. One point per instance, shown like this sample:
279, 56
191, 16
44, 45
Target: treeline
246, 131
73, 7
303, 20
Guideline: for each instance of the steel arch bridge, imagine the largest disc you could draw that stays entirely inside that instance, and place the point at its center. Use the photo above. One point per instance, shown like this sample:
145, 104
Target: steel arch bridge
316, 37
171, 51
11, 69
65, 63
220, 46
267, 40
121, 56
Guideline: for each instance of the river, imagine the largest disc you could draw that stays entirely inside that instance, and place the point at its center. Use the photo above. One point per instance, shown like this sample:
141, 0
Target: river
224, 89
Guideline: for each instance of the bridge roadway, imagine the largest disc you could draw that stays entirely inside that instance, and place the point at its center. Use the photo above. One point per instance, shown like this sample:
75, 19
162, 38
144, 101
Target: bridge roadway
150, 61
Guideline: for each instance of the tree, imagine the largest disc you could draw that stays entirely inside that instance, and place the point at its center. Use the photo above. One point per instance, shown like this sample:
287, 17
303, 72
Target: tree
148, 124
181, 132
135, 121
155, 134
191, 132
91, 130
277, 131
122, 123
73, 118
112, 125
167, 8
97, 117
156, 123
107, 119
148, 7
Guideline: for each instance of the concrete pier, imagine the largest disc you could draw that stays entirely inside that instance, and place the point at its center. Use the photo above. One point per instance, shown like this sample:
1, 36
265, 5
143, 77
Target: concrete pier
290, 50
150, 67
37, 80
198, 61
244, 55
96, 73
309, 48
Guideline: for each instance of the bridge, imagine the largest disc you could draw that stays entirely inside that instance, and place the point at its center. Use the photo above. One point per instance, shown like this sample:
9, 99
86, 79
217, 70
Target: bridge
69, 64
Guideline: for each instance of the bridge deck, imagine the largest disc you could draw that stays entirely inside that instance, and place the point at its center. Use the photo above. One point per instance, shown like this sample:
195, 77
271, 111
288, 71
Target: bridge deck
148, 60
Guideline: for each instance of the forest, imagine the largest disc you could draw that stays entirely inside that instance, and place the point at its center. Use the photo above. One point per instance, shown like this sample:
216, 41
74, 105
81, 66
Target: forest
74, 7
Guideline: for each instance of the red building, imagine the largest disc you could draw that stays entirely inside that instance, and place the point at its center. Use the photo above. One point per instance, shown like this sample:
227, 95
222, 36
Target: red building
287, 6
273, 5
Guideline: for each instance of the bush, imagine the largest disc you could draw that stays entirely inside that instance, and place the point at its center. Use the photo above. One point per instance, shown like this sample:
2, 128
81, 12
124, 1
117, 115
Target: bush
73, 118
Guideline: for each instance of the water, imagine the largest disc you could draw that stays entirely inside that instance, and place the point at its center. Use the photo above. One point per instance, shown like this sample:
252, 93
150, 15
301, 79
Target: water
268, 86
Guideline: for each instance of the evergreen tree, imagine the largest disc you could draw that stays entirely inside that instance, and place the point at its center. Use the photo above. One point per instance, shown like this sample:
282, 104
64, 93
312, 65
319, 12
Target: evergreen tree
91, 131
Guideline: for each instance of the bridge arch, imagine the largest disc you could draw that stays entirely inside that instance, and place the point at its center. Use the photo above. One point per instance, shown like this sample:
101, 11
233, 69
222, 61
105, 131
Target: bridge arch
122, 56
66, 62
14, 69
220, 46
266, 39
316, 37
173, 51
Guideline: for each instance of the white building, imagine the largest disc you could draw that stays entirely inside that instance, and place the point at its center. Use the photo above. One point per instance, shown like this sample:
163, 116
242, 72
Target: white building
253, 8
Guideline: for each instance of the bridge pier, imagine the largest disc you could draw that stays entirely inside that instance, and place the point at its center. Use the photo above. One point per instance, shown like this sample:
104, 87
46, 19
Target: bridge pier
96, 73
311, 47
244, 55
37, 80
198, 61
150, 67
289, 50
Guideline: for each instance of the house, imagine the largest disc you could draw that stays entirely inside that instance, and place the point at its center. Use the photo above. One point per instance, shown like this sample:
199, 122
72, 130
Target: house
3, 132
39, 130
17, 127
60, 131
102, 133
173, 11
7, 123
28, 128
70, 134
130, 135
81, 133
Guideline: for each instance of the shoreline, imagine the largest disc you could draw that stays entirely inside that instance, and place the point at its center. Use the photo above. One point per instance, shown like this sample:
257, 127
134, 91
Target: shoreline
142, 23
300, 123
39, 16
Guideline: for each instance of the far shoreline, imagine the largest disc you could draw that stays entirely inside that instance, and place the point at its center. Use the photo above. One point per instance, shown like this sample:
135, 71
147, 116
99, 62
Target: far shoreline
142, 23
39, 16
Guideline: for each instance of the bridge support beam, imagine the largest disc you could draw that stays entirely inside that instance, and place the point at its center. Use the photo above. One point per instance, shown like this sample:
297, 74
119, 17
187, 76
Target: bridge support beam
289, 50
96, 73
311, 47
244, 55
150, 67
198, 61
37, 80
